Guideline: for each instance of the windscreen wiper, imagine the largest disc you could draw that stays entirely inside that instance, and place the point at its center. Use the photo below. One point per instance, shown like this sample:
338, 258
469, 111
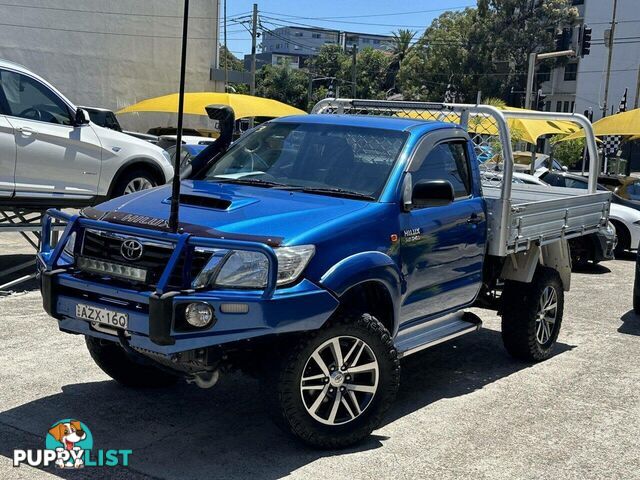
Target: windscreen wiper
250, 181
340, 192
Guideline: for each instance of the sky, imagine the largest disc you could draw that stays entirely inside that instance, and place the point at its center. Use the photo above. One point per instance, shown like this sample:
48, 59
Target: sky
367, 16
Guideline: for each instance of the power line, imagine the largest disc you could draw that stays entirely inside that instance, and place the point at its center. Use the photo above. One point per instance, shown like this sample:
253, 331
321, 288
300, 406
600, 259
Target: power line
336, 19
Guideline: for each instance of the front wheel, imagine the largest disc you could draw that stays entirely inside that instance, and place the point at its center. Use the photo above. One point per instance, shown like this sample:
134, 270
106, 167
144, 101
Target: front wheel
133, 181
532, 315
335, 387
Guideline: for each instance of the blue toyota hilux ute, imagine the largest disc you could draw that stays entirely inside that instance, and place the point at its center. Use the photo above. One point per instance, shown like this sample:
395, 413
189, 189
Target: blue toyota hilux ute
315, 252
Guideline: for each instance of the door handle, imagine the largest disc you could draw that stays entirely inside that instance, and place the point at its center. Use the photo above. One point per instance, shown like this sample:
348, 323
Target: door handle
474, 219
26, 131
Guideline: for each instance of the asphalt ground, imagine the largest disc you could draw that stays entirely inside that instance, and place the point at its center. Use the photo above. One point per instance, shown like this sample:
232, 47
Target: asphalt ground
465, 409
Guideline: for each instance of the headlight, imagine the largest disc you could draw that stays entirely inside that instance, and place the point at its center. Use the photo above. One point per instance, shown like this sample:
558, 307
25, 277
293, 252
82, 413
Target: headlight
243, 269
68, 247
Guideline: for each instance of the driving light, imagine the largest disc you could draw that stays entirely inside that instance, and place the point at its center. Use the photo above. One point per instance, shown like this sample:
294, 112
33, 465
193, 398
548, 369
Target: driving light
198, 314
118, 270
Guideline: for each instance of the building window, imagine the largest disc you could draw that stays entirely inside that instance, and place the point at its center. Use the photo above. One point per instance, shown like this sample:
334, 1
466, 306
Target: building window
366, 40
376, 41
544, 73
547, 106
558, 106
570, 72
573, 107
566, 106
298, 34
316, 35
577, 2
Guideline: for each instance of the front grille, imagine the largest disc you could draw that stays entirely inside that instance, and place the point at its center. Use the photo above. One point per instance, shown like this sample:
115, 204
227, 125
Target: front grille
155, 256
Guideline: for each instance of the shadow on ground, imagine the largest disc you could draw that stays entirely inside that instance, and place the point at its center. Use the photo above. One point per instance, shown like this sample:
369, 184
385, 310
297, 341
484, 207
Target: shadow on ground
591, 268
9, 263
630, 323
186, 433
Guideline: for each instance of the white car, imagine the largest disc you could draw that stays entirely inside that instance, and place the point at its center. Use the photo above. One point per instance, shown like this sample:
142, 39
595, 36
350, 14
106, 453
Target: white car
624, 215
51, 154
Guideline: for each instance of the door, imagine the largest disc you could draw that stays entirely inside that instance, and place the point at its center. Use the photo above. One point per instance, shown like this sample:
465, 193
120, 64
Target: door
443, 247
53, 157
7, 156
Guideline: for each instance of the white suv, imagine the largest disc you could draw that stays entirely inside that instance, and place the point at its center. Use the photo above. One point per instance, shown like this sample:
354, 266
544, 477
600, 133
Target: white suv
52, 155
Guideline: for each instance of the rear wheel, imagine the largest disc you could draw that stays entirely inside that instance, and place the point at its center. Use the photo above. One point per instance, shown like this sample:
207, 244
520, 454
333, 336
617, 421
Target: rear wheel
624, 239
333, 390
532, 315
115, 362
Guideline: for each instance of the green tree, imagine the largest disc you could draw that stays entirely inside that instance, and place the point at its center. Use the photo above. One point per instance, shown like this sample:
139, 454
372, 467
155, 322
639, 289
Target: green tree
401, 47
282, 83
567, 153
233, 62
484, 48
328, 62
371, 70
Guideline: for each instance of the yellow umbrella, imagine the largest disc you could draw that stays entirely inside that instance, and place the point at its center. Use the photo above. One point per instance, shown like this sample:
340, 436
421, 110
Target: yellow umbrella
195, 103
526, 130
623, 124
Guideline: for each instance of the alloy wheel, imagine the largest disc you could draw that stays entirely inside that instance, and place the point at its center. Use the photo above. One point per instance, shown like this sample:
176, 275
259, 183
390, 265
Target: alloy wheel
339, 380
138, 184
546, 315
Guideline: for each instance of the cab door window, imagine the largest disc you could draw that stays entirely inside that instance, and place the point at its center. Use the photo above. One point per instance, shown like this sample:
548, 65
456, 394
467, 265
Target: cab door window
27, 98
446, 161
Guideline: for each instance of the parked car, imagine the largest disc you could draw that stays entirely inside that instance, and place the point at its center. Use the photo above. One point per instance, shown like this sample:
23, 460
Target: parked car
187, 153
627, 187
166, 141
51, 154
107, 119
624, 215
595, 247
522, 162
313, 257
636, 285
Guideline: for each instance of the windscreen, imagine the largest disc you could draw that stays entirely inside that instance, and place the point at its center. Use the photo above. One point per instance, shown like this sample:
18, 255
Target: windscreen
313, 157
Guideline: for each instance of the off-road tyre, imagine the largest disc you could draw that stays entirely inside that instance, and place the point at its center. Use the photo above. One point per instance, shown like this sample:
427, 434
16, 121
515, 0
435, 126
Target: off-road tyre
283, 380
115, 362
521, 308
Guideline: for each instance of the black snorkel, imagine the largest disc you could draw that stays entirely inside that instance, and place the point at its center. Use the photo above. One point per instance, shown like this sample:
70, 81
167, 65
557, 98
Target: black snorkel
226, 119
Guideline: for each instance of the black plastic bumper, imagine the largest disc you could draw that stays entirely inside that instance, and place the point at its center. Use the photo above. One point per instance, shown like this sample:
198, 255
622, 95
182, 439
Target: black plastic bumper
49, 299
160, 318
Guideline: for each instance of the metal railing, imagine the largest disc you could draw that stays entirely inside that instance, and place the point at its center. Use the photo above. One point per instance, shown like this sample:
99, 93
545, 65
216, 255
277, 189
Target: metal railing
50, 255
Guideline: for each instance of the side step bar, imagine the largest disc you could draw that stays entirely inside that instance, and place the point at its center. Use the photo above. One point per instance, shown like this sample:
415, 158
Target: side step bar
436, 331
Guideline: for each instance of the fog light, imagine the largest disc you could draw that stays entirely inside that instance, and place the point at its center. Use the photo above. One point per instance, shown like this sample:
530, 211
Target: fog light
198, 314
234, 308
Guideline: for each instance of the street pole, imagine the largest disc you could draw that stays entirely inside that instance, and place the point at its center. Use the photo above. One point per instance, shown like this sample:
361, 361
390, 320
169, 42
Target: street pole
530, 77
636, 102
175, 186
610, 56
310, 90
354, 56
254, 35
226, 51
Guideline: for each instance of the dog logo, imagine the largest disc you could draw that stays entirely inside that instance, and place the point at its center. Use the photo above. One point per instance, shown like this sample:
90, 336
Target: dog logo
69, 445
69, 438
131, 249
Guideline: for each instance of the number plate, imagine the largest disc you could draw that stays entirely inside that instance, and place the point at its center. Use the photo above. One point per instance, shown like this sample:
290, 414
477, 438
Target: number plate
102, 316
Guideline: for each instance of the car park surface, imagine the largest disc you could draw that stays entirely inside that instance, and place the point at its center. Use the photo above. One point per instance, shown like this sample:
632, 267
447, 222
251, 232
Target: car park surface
465, 409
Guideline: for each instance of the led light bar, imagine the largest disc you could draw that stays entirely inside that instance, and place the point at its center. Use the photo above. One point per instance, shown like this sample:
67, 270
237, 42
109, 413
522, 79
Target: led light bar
118, 270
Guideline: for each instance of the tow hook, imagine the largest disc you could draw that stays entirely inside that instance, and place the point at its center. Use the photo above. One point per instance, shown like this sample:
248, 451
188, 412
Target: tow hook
204, 379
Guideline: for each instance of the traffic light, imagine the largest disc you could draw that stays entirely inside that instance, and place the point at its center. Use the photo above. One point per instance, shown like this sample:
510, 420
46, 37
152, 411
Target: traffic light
585, 41
563, 39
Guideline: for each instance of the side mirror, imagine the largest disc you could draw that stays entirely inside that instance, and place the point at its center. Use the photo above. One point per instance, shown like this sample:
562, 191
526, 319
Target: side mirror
432, 193
82, 117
